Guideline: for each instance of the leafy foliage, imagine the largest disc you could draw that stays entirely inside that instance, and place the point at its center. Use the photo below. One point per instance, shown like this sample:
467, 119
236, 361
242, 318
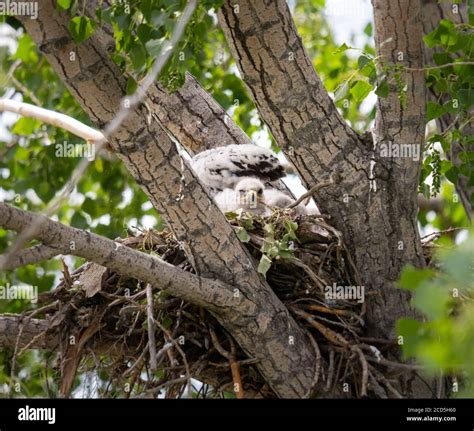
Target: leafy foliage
107, 201
445, 341
278, 242
453, 80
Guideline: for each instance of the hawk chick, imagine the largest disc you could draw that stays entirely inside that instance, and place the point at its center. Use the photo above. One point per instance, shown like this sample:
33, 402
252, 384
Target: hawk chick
247, 195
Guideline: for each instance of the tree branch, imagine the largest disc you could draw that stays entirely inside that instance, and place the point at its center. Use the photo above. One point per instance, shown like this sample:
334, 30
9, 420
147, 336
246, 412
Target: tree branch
211, 294
373, 207
41, 334
208, 240
32, 255
190, 114
286, 89
401, 116
50, 117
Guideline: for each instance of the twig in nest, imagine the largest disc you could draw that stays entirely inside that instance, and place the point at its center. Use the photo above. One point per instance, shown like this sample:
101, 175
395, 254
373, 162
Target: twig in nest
322, 309
376, 388
159, 355
365, 370
151, 327
183, 356
379, 359
234, 365
311, 192
318, 364
381, 378
330, 370
393, 364
435, 235
329, 334
66, 274
319, 283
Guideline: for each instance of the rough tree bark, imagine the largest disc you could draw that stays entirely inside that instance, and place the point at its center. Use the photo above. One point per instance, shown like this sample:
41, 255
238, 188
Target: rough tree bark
379, 224
190, 114
209, 241
372, 202
208, 293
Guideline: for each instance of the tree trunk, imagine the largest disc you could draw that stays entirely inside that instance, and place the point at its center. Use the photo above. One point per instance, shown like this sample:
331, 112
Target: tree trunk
285, 357
372, 199
378, 223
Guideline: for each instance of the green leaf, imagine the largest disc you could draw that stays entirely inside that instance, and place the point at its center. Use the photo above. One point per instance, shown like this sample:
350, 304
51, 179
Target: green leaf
64, 4
342, 48
452, 174
411, 277
242, 234
144, 32
138, 56
360, 90
367, 67
247, 222
368, 30
442, 58
81, 28
90, 207
362, 61
341, 91
131, 85
291, 227
410, 330
264, 265
154, 47
26, 50
382, 89
26, 126
79, 221
269, 229
459, 265
432, 300
434, 110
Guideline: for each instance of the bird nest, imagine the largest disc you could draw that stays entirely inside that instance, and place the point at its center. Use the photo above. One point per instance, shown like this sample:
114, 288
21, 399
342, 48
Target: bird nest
108, 317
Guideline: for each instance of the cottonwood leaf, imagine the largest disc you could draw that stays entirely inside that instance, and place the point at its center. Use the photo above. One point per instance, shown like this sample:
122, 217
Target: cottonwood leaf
264, 265
242, 234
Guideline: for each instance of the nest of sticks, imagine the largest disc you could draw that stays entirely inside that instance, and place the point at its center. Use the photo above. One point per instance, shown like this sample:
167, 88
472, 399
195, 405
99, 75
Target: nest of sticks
108, 317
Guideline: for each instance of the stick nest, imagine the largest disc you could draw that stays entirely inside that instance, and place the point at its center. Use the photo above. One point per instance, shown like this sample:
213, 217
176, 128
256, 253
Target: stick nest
105, 315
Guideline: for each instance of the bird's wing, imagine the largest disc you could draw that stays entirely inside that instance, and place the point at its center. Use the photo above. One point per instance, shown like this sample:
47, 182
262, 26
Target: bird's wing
222, 167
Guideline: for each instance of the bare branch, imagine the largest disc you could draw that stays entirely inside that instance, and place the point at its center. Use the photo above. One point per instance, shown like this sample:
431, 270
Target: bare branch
151, 327
401, 116
211, 294
286, 89
50, 117
32, 255
258, 322
127, 105
208, 239
311, 192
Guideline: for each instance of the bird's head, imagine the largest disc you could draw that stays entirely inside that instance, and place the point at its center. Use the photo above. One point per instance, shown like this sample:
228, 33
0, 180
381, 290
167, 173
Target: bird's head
250, 192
